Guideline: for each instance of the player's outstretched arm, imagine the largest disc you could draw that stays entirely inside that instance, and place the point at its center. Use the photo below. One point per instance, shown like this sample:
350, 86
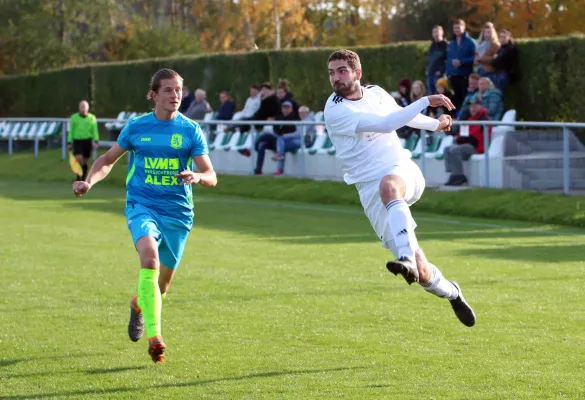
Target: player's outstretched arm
99, 170
206, 175
392, 121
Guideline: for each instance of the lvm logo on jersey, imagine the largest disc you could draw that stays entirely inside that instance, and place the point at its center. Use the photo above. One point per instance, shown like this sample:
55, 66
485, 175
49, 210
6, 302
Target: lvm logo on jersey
161, 171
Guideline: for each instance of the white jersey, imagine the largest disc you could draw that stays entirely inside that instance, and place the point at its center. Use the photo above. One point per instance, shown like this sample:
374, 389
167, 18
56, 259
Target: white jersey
367, 156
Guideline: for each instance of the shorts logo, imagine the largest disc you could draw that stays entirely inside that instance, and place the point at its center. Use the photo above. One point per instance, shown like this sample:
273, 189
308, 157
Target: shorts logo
176, 141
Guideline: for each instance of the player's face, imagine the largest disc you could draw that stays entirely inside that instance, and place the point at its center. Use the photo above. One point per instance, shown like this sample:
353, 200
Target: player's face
343, 79
168, 96
483, 85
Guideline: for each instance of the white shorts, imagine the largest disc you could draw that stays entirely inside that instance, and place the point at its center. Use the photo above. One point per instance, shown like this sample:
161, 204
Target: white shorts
369, 193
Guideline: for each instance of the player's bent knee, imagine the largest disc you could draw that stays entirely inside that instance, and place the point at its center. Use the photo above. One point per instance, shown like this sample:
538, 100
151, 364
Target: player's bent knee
392, 187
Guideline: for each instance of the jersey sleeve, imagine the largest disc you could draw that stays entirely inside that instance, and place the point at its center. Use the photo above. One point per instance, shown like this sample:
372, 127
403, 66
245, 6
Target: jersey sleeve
199, 144
341, 120
124, 139
420, 121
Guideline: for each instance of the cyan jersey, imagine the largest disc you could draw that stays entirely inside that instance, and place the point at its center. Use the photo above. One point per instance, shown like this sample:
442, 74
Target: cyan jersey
158, 150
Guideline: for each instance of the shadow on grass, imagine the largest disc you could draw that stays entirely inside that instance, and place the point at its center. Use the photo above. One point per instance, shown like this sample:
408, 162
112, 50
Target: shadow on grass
558, 253
177, 385
6, 363
99, 371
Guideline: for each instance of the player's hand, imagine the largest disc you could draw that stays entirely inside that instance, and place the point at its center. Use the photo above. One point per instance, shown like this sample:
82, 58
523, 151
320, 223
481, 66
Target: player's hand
445, 122
438, 100
69, 147
96, 145
189, 177
80, 188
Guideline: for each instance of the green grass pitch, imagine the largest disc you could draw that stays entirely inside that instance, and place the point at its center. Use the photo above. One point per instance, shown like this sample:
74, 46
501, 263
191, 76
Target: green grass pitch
278, 300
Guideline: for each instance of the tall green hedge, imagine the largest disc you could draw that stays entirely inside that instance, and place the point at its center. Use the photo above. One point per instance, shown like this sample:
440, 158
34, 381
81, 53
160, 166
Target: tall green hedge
550, 87
49, 94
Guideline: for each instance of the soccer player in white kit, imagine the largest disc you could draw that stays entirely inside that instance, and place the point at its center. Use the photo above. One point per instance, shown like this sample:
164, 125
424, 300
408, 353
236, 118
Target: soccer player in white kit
361, 123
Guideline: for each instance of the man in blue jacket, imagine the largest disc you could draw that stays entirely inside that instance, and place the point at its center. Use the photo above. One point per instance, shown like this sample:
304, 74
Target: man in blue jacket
460, 56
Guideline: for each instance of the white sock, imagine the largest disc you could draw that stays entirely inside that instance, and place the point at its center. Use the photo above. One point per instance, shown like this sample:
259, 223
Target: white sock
402, 228
439, 286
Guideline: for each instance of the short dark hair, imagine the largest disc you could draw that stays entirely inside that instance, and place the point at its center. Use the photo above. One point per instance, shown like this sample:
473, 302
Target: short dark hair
254, 86
459, 21
475, 75
165, 73
266, 85
353, 60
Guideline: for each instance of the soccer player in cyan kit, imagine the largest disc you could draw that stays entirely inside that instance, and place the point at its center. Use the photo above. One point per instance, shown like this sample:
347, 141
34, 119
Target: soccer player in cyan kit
159, 201
361, 122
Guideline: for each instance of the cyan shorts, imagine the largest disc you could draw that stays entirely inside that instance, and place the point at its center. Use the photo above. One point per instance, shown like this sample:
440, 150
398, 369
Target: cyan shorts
170, 233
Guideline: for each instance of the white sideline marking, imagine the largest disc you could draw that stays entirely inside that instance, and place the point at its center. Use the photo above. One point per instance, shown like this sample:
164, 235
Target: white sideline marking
311, 207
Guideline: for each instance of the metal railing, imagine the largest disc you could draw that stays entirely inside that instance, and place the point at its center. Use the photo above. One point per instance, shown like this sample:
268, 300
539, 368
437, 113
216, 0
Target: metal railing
564, 126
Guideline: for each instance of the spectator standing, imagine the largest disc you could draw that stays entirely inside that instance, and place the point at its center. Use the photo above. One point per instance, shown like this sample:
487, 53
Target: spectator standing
436, 58
460, 57
487, 48
504, 62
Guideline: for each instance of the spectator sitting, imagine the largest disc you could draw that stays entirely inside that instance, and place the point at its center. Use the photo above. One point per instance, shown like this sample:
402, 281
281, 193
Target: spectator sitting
487, 47
199, 107
287, 137
186, 100
437, 58
227, 108
252, 104
403, 92
491, 98
283, 93
310, 131
418, 91
442, 88
269, 108
472, 92
465, 145
504, 62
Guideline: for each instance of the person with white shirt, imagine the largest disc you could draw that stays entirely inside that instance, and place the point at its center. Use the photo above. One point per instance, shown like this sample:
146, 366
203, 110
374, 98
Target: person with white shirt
362, 123
252, 104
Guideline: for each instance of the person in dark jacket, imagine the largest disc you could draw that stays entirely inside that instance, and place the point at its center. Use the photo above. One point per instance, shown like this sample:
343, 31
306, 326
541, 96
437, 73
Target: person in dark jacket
287, 137
283, 139
465, 144
505, 60
227, 107
269, 107
437, 59
460, 58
